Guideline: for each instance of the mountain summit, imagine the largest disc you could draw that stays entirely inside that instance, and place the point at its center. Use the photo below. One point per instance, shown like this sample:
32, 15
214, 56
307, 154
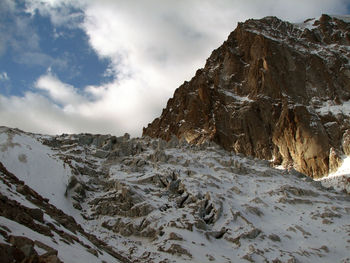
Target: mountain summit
274, 90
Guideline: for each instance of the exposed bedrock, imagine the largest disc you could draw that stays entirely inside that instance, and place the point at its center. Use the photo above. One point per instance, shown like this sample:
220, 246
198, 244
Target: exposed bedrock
273, 90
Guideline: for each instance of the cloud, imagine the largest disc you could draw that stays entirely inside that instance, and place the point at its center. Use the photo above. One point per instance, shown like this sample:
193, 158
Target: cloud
65, 13
152, 46
56, 107
16, 31
57, 91
4, 76
157, 45
35, 112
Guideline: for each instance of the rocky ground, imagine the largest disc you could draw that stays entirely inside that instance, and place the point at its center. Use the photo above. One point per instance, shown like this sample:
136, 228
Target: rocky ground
107, 198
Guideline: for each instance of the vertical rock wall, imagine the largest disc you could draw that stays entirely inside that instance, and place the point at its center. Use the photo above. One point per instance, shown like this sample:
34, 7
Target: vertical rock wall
273, 90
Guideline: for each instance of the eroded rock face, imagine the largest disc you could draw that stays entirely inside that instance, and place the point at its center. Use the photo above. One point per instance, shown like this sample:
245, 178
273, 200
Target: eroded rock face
301, 139
273, 90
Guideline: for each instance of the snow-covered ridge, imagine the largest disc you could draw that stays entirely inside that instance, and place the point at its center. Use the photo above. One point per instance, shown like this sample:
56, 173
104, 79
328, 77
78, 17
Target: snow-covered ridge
157, 201
345, 18
305, 37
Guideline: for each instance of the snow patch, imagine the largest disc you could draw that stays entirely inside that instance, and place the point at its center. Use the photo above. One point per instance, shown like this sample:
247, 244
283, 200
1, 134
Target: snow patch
236, 97
330, 107
340, 179
309, 24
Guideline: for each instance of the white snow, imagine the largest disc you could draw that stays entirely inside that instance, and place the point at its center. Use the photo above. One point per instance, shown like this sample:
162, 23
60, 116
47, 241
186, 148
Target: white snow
35, 164
236, 97
309, 24
344, 169
309, 221
340, 179
330, 107
293, 37
213, 174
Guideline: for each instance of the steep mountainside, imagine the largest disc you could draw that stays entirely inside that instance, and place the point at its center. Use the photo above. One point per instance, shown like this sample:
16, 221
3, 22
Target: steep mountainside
273, 90
101, 198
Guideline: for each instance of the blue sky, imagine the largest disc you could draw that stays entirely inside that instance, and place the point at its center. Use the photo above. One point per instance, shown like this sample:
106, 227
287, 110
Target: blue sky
62, 50
109, 66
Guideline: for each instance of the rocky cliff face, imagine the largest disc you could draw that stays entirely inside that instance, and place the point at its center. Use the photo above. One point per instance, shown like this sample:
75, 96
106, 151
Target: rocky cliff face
274, 90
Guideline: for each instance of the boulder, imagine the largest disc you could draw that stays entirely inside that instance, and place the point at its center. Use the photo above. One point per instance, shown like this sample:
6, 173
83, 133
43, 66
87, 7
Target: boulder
24, 244
10, 254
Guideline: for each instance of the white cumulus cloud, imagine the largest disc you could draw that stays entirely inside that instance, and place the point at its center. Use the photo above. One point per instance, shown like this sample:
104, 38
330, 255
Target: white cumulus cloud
58, 91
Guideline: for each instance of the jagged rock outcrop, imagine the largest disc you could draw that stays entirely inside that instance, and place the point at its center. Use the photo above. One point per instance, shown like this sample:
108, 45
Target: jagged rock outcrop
163, 200
273, 90
65, 229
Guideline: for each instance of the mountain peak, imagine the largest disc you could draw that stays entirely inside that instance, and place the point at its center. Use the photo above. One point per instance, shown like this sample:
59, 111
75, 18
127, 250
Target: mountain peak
273, 90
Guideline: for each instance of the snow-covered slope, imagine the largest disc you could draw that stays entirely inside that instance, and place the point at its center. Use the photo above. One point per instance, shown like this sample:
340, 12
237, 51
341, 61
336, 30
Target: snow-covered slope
32, 230
37, 165
154, 201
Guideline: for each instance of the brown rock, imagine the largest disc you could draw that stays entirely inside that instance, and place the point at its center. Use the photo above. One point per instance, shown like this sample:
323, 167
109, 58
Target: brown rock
9, 254
49, 258
334, 160
302, 140
176, 249
174, 236
36, 214
260, 92
25, 244
49, 249
346, 142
